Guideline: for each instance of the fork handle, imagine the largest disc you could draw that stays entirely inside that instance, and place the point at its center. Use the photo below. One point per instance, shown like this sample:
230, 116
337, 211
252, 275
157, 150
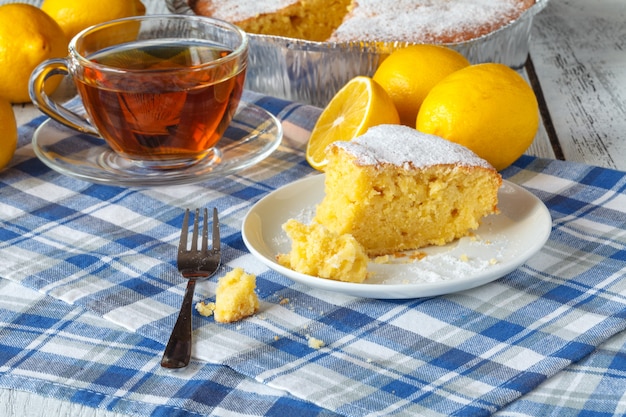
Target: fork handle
178, 350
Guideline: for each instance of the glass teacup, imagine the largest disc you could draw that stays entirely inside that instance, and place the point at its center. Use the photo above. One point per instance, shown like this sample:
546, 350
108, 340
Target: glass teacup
160, 90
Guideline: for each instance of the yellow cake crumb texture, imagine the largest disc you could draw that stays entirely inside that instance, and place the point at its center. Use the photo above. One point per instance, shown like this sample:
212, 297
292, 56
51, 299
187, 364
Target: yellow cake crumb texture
313, 20
319, 252
315, 343
235, 298
205, 308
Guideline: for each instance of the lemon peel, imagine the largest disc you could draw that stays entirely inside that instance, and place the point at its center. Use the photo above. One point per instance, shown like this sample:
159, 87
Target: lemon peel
489, 108
8, 133
28, 36
409, 73
76, 15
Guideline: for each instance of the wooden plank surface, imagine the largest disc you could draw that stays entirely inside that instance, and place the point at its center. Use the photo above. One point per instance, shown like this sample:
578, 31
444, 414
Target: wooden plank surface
542, 144
578, 51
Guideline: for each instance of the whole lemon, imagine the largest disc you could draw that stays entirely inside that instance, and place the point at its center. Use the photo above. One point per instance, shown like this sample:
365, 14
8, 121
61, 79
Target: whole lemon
8, 133
488, 108
28, 36
76, 15
408, 74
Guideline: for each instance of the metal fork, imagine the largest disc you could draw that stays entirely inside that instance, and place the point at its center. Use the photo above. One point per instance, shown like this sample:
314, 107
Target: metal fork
195, 265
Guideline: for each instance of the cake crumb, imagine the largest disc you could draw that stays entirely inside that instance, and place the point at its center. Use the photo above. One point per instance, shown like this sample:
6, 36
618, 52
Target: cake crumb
464, 258
418, 256
314, 343
205, 309
276, 338
383, 259
235, 298
317, 251
284, 301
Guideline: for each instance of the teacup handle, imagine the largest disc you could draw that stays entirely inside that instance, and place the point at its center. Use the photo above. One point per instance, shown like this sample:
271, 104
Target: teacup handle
45, 70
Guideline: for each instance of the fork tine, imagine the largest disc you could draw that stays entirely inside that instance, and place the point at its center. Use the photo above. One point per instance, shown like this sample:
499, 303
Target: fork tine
216, 231
184, 231
205, 231
194, 235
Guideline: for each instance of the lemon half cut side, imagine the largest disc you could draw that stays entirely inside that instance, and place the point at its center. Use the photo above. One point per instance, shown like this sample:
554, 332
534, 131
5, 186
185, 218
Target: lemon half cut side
360, 104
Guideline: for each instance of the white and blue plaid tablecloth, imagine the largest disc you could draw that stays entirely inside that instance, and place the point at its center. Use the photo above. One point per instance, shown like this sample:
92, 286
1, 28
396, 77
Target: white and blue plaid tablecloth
90, 292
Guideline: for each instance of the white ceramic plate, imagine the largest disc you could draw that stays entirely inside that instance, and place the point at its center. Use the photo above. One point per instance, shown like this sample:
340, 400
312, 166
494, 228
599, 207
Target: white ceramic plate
252, 136
501, 244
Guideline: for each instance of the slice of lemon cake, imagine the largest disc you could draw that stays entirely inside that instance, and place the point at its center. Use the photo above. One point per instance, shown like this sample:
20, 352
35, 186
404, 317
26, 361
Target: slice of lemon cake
319, 252
397, 189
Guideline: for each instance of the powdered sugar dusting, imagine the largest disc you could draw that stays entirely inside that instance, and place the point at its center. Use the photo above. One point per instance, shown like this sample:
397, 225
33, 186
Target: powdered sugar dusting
406, 147
304, 216
461, 259
238, 10
436, 21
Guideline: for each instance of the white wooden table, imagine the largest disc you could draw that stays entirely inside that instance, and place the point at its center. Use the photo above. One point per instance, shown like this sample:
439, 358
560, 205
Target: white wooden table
578, 54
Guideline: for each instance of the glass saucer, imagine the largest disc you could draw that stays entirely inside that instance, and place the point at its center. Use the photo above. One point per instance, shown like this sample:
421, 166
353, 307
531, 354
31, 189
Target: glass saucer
251, 137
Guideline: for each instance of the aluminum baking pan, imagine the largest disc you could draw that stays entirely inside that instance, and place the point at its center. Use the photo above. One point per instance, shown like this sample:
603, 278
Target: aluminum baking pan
312, 72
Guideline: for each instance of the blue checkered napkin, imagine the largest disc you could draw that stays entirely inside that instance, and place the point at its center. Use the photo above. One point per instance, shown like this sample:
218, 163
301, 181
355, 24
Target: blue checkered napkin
111, 249
56, 350
593, 387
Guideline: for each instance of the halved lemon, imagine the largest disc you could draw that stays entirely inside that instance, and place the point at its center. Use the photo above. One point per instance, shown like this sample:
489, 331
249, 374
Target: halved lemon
357, 106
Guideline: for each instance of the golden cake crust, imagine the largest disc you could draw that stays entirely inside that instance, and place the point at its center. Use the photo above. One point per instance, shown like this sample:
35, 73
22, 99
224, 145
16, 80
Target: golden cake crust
301, 19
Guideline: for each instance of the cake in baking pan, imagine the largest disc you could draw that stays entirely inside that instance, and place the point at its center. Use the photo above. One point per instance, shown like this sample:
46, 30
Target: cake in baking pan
418, 21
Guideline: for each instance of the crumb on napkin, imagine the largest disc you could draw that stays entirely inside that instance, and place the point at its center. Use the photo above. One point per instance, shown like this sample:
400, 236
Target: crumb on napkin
235, 298
314, 343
